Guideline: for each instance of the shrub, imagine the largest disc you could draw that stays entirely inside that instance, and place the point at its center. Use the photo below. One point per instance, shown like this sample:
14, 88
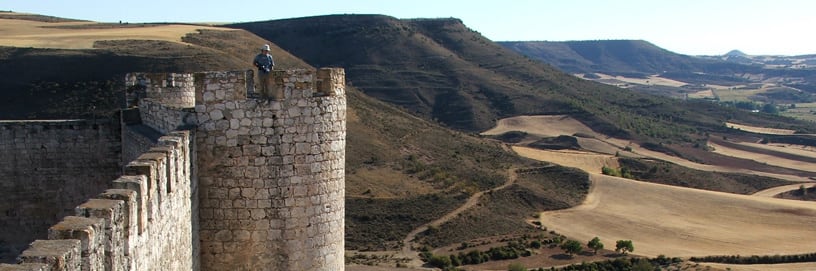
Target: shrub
610, 171
516, 267
440, 261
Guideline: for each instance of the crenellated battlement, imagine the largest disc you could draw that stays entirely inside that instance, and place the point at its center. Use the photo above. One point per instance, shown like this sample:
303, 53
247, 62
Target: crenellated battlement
272, 174
125, 227
235, 180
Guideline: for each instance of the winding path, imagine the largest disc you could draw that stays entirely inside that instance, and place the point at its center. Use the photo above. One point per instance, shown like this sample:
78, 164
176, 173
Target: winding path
408, 242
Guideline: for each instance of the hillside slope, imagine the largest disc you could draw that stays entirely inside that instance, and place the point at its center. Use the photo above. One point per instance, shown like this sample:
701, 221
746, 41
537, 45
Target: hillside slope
617, 57
641, 59
394, 160
440, 69
59, 80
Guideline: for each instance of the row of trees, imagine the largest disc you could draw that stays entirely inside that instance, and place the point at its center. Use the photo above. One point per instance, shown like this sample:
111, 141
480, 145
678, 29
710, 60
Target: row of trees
573, 247
515, 249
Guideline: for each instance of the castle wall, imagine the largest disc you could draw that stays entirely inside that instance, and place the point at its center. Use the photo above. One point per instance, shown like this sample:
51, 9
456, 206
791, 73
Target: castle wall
253, 184
47, 168
143, 222
272, 173
137, 139
172, 89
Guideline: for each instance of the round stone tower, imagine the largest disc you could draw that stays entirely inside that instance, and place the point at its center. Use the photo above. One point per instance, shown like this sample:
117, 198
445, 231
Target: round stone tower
271, 173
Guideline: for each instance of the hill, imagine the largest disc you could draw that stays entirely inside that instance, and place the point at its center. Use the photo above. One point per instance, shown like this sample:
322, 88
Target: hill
394, 160
440, 69
47, 76
633, 58
405, 168
645, 67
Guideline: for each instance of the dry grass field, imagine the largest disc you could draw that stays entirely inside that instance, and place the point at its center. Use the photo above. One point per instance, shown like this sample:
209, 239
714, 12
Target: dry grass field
83, 35
706, 167
555, 125
703, 94
786, 148
766, 158
684, 222
586, 161
759, 130
545, 126
652, 80
678, 221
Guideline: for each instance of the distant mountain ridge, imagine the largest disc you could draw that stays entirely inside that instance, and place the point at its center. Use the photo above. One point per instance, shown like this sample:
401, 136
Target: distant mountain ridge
641, 56
641, 59
616, 57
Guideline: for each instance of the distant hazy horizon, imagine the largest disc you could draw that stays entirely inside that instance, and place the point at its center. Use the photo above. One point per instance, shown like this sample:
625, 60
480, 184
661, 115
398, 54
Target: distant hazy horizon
755, 27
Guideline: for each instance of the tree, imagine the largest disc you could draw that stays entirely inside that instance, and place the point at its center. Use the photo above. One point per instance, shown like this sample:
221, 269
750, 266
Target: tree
595, 244
440, 261
624, 246
516, 267
770, 109
571, 247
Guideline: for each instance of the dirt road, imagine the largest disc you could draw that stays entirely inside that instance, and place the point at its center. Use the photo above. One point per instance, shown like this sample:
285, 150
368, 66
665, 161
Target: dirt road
408, 244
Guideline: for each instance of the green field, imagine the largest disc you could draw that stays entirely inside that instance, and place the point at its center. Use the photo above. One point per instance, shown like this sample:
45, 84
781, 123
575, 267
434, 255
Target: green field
803, 111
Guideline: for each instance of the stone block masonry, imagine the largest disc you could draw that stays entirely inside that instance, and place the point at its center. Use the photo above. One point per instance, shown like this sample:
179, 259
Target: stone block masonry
220, 177
272, 173
46, 168
142, 222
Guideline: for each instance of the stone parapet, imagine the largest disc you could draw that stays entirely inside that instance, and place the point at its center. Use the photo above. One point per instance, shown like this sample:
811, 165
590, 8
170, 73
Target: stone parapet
47, 168
144, 222
170, 89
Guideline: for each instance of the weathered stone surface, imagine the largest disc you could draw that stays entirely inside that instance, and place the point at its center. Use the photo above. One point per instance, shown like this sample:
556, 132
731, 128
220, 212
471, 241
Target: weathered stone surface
261, 205
47, 168
56, 254
247, 188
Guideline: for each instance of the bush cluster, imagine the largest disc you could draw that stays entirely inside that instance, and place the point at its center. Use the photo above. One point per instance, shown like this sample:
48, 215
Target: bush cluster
635, 264
512, 250
755, 259
622, 172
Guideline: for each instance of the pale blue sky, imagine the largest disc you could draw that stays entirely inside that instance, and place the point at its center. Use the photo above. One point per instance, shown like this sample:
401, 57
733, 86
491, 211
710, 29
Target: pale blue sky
691, 27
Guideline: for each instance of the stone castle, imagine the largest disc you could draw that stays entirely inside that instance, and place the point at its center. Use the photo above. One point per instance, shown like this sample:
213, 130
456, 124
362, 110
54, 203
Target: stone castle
198, 174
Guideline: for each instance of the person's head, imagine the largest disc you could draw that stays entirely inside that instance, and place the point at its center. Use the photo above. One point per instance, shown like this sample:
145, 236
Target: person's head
265, 48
